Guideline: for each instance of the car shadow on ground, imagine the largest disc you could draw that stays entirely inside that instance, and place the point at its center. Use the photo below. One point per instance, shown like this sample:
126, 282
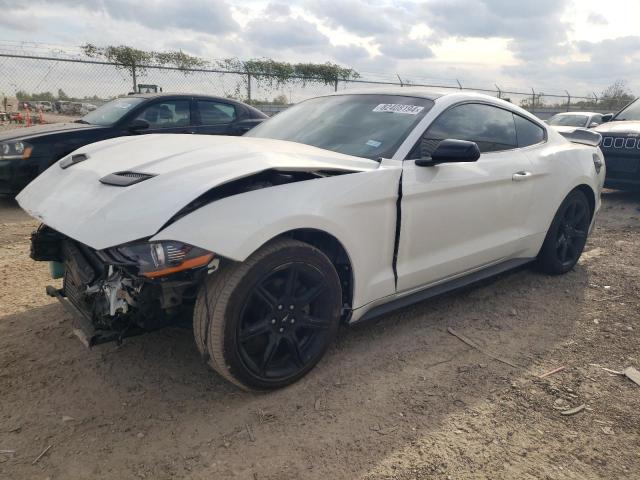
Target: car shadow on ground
157, 386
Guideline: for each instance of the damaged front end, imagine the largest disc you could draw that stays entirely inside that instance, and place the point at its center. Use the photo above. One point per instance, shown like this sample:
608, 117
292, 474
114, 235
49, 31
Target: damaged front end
126, 290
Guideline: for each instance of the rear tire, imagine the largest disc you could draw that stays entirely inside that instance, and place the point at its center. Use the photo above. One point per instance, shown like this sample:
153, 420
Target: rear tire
567, 235
264, 323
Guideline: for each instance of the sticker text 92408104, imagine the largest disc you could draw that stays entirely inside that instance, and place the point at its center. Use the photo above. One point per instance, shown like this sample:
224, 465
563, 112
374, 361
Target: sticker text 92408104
398, 108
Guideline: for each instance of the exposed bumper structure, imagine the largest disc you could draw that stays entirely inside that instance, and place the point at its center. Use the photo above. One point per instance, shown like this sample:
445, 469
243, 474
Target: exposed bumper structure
111, 302
83, 327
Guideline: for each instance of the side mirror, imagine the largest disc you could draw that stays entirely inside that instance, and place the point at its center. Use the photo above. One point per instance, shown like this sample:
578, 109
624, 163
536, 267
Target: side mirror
138, 125
593, 124
607, 118
452, 151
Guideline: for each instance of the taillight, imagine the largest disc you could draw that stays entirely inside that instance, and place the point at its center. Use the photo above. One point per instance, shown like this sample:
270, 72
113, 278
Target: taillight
598, 162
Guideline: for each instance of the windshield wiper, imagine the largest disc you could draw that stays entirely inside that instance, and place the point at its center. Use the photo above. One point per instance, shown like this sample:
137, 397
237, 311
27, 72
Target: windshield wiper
81, 121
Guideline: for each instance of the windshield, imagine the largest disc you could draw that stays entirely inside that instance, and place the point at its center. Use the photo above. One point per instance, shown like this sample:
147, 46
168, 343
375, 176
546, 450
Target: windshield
370, 126
569, 120
111, 112
631, 112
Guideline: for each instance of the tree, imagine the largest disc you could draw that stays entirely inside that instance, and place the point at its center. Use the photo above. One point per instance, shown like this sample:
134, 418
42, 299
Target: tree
271, 74
264, 72
280, 100
62, 95
615, 96
136, 62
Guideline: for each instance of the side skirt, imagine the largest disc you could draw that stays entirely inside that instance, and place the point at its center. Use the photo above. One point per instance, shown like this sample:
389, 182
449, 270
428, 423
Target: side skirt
441, 288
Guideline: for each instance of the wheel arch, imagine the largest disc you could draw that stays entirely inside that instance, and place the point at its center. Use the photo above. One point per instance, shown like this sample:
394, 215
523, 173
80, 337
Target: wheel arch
590, 194
335, 252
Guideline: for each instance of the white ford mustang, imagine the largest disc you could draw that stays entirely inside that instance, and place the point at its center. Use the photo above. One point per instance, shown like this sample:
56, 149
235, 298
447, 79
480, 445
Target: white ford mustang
340, 208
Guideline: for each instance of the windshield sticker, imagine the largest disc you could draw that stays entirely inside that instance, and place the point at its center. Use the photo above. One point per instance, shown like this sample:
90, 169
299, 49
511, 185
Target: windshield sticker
374, 143
398, 108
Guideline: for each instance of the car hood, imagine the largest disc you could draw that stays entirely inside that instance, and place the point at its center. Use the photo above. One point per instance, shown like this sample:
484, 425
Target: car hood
619, 127
75, 202
43, 130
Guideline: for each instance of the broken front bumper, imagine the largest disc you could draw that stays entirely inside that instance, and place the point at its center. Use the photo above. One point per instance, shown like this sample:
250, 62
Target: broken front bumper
83, 327
107, 300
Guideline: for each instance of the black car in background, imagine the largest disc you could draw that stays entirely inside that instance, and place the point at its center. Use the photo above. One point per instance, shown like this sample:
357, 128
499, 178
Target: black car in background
27, 152
621, 147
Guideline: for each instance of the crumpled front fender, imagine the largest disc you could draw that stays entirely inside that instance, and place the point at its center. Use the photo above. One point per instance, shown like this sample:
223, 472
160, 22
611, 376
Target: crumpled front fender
358, 209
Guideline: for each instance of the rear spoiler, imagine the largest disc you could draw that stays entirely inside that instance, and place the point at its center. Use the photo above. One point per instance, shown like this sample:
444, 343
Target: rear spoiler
583, 136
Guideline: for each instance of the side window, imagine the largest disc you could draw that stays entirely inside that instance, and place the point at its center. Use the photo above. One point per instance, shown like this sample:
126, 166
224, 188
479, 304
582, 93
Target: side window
528, 132
215, 113
169, 114
597, 119
492, 128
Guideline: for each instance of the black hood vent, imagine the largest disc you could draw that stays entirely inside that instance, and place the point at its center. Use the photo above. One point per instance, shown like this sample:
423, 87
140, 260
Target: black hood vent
124, 179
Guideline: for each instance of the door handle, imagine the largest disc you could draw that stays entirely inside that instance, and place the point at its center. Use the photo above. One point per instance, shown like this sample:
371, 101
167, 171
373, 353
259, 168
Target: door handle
521, 176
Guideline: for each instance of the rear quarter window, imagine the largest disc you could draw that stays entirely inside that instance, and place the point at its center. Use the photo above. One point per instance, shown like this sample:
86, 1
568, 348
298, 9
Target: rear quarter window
527, 132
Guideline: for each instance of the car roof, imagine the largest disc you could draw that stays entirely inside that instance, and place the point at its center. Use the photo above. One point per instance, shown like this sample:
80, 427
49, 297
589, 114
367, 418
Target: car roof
454, 94
420, 92
177, 94
562, 114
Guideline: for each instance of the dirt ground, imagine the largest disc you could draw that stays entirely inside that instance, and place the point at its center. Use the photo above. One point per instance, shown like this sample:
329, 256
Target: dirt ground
398, 398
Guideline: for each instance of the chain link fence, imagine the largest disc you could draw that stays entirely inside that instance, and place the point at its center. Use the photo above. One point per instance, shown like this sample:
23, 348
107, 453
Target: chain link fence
88, 83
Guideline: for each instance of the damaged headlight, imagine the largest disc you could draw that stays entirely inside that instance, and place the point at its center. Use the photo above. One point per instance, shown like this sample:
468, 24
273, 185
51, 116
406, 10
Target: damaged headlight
157, 259
15, 150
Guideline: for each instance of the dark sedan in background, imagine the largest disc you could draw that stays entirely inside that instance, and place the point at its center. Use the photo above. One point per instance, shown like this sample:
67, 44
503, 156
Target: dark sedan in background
621, 147
27, 152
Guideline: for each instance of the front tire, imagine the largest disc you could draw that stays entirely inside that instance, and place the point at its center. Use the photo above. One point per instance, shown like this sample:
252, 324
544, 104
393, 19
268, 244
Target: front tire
264, 323
567, 235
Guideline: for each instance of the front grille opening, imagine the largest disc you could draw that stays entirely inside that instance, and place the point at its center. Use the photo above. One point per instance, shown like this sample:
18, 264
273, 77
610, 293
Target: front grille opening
621, 143
124, 179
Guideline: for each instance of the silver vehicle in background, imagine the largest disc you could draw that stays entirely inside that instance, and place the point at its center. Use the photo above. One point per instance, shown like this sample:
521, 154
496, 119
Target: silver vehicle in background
576, 119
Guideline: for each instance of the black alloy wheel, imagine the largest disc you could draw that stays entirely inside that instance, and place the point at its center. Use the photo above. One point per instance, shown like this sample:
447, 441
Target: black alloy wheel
265, 322
572, 234
285, 322
567, 235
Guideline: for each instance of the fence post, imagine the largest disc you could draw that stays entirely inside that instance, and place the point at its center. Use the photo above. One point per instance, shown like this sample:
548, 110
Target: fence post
568, 100
335, 85
135, 79
533, 100
499, 90
248, 86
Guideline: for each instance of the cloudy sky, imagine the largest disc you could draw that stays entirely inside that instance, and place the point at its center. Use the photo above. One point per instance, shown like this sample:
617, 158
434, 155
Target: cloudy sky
579, 45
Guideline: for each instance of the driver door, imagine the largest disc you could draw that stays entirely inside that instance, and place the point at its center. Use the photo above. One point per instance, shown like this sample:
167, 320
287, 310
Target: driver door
459, 217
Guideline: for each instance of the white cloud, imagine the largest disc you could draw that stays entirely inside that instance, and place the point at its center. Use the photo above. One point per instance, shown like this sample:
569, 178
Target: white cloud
568, 44
597, 19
